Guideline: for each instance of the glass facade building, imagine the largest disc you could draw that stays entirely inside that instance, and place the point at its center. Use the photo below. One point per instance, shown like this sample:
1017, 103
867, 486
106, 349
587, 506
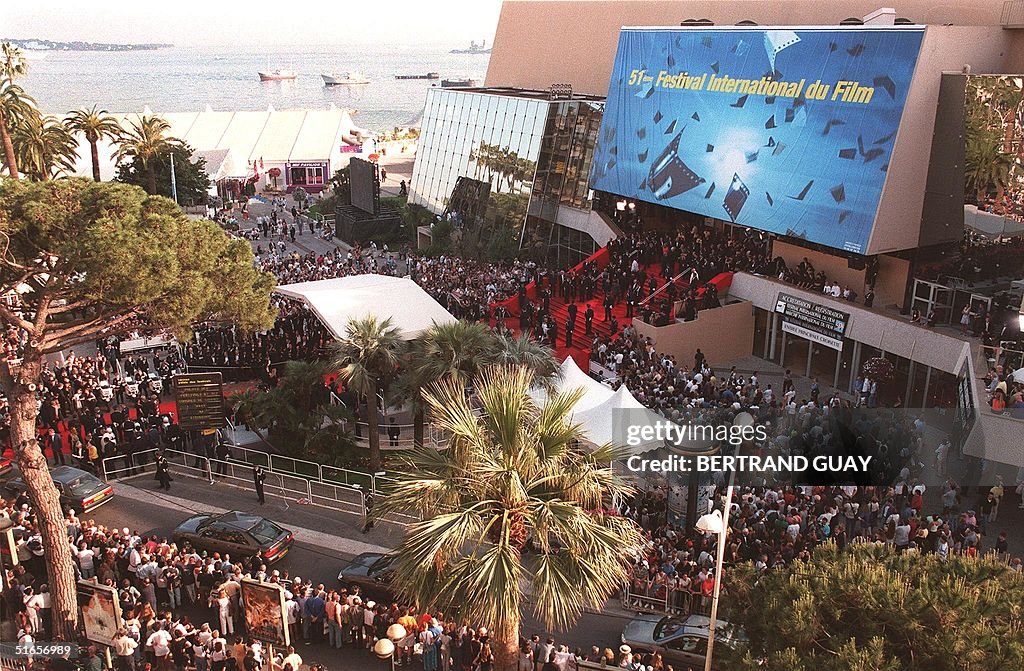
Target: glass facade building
525, 152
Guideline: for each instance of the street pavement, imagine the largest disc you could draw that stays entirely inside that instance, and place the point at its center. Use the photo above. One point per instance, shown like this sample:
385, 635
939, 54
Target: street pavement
324, 540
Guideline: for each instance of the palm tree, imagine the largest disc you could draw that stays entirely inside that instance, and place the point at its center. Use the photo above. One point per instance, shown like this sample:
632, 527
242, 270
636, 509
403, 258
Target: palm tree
146, 140
368, 357
95, 124
986, 167
456, 349
44, 147
512, 475
13, 64
297, 415
15, 106
522, 350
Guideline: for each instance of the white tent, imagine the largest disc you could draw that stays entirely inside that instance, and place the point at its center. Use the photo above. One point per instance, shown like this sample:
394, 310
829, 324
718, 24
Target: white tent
570, 377
223, 163
269, 137
601, 412
606, 422
992, 225
411, 309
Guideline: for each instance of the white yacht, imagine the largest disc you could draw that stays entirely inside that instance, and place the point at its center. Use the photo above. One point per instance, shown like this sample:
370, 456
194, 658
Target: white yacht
343, 78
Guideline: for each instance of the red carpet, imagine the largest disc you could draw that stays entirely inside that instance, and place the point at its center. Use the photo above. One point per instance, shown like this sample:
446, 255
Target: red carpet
580, 351
165, 406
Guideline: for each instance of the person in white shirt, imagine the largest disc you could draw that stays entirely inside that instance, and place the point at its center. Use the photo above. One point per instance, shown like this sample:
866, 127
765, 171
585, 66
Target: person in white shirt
85, 560
160, 643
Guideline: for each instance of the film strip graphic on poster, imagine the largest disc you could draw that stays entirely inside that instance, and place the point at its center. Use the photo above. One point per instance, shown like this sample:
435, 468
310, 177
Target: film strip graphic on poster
786, 131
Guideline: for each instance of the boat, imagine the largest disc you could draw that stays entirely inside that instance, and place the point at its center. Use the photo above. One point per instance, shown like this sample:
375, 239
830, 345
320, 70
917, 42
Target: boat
344, 78
429, 75
458, 83
474, 48
276, 75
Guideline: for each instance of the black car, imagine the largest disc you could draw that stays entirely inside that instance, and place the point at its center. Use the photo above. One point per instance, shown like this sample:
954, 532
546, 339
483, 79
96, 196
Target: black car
370, 569
79, 490
237, 533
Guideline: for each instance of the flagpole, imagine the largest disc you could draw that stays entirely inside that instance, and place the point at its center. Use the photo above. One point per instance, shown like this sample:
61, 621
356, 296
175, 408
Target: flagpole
174, 181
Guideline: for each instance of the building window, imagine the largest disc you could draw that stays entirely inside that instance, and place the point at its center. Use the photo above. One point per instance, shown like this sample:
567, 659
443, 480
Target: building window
306, 175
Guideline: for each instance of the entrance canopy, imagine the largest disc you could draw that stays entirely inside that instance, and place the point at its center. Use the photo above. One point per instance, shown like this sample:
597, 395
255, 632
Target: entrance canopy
601, 412
336, 301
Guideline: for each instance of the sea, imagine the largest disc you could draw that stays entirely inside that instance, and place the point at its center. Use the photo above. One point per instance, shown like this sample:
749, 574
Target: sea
180, 79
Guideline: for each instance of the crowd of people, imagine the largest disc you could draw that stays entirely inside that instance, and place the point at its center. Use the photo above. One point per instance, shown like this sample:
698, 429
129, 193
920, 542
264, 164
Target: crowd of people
102, 406
774, 526
1005, 393
296, 335
157, 581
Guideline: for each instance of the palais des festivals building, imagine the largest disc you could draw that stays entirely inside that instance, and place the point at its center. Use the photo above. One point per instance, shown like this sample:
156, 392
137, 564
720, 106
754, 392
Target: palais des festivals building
835, 130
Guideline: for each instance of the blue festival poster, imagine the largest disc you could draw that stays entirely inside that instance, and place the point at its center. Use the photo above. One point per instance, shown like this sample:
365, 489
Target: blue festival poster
783, 130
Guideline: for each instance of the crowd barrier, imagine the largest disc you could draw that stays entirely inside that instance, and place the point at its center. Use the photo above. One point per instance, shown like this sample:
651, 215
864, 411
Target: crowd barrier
646, 595
301, 481
10, 660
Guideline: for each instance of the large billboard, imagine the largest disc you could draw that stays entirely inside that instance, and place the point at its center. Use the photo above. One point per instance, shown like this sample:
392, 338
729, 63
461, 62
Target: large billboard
786, 131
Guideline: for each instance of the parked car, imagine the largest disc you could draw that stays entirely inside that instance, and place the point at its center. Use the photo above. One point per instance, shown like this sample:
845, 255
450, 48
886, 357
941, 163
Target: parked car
682, 641
79, 490
237, 533
370, 569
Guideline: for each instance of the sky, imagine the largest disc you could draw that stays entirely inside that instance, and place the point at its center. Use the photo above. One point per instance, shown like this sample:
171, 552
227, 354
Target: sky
223, 22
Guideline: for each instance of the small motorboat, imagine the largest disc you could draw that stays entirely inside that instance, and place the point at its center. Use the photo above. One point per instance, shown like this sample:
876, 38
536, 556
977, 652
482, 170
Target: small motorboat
277, 75
344, 78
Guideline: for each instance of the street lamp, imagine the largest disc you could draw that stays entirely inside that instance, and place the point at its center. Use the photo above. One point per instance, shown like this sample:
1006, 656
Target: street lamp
717, 522
385, 647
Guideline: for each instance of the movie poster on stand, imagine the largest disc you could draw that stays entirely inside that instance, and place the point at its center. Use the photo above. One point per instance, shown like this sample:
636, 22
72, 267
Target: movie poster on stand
101, 611
265, 612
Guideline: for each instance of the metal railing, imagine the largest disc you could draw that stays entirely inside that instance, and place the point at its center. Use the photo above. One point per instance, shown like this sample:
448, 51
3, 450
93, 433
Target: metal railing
647, 595
665, 286
432, 436
10, 660
288, 477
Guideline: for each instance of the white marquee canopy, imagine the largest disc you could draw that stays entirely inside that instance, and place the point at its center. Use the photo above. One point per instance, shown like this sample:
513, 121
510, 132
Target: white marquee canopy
411, 309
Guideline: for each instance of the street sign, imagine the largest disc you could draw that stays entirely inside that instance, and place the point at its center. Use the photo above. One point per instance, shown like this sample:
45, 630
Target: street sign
200, 400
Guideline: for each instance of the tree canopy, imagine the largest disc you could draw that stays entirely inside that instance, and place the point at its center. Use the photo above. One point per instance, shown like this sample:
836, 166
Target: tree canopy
870, 608
88, 257
298, 415
189, 173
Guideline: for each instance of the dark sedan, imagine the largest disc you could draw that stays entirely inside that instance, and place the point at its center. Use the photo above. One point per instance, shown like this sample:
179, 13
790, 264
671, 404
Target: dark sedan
237, 533
79, 490
368, 570
683, 641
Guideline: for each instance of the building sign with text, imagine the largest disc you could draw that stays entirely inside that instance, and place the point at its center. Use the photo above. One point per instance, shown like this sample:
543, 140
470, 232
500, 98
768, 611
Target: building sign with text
200, 400
813, 321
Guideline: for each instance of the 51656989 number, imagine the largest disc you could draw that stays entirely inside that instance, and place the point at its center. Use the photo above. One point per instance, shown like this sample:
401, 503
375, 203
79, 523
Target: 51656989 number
46, 649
